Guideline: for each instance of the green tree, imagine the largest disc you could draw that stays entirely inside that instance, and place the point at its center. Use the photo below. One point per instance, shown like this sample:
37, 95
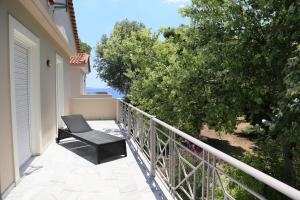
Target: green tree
236, 58
85, 48
115, 55
248, 46
160, 86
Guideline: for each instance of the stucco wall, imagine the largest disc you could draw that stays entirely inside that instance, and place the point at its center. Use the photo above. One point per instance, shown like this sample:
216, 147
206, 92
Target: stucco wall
76, 81
67, 84
45, 3
95, 108
48, 50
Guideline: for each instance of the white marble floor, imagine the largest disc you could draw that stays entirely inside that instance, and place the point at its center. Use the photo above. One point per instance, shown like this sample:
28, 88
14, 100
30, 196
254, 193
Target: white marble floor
67, 172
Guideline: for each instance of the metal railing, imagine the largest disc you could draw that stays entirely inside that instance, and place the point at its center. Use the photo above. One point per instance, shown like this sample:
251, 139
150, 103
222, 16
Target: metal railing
190, 168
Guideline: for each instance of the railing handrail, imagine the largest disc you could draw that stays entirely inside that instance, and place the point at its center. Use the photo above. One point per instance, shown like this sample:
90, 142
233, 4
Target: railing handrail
268, 180
131, 106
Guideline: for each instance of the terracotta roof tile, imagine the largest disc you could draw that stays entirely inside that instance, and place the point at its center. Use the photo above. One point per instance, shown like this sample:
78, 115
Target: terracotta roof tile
50, 2
74, 26
80, 58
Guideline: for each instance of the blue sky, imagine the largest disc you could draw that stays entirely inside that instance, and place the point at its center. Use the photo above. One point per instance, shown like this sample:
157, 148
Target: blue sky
97, 17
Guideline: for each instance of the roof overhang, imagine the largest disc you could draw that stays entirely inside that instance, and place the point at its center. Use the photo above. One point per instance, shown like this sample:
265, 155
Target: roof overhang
70, 8
84, 68
37, 10
82, 61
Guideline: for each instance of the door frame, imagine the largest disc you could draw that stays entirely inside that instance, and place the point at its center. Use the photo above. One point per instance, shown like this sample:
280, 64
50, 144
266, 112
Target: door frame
19, 32
60, 99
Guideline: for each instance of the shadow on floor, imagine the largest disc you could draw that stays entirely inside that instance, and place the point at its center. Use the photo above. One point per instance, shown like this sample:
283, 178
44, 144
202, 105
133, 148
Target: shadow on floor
155, 188
81, 149
26, 168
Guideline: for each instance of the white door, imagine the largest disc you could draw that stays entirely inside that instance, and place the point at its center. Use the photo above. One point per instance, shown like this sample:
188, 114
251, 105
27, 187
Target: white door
22, 92
59, 90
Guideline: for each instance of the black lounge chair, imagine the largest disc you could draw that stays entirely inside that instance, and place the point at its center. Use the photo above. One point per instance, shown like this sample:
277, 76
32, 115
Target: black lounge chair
107, 146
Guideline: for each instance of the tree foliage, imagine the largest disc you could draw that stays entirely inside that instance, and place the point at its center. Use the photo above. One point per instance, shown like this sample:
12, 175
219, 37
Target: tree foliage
115, 54
85, 48
235, 58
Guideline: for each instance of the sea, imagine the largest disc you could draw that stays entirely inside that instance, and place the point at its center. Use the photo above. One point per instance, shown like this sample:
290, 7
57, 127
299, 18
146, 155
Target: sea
113, 92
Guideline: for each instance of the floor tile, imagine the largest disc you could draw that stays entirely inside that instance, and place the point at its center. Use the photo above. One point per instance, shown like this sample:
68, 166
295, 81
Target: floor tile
67, 172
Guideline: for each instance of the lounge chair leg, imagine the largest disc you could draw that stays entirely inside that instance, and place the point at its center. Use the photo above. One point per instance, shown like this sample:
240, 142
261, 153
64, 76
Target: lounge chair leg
125, 150
98, 155
58, 137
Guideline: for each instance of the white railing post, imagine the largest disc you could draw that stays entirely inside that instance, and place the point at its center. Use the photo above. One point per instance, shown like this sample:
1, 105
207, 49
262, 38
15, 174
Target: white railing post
152, 147
118, 112
129, 121
213, 178
122, 117
135, 125
203, 175
208, 185
172, 160
141, 131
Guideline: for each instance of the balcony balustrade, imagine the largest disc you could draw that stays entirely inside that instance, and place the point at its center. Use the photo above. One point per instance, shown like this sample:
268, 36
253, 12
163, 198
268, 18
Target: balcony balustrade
162, 163
189, 168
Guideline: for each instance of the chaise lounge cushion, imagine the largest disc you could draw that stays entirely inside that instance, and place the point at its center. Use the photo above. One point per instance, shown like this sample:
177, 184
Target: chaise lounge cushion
76, 123
97, 137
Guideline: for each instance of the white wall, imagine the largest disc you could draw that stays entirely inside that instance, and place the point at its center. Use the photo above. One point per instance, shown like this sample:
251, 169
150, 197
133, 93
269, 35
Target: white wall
95, 108
76, 81
48, 49
63, 22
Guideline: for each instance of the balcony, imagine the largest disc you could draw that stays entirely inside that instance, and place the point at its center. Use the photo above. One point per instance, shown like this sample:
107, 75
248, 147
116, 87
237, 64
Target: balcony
159, 164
